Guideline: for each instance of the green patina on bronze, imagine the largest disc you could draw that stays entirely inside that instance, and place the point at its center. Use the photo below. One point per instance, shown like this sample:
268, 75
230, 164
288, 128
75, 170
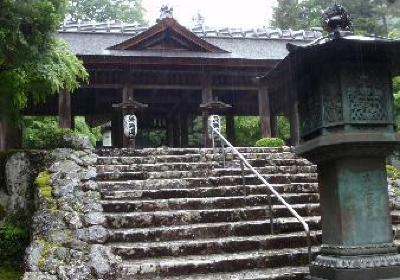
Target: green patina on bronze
342, 85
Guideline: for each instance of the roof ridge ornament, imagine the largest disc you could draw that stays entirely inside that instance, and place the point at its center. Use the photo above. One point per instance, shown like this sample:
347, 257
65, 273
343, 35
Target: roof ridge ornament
337, 21
166, 12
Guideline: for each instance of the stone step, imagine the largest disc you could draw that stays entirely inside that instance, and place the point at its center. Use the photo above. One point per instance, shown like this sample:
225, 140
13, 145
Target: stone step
186, 151
204, 203
265, 170
151, 159
185, 217
187, 265
230, 245
111, 180
211, 230
118, 176
156, 167
281, 273
395, 217
126, 191
115, 192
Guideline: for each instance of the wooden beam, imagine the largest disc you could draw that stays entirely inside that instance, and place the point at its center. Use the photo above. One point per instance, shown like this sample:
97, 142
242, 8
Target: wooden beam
156, 86
264, 112
64, 110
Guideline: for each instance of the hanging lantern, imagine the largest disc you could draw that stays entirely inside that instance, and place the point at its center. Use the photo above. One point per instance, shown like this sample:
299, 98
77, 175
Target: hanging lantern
130, 126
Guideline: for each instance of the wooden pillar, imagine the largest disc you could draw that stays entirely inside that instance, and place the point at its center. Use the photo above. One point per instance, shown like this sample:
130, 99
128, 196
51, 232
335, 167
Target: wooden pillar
206, 96
64, 110
184, 131
176, 135
169, 134
264, 112
294, 124
10, 136
230, 129
274, 125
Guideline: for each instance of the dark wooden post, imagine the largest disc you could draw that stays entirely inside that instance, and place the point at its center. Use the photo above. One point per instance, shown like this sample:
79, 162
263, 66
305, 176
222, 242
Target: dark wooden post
184, 130
274, 125
294, 124
176, 127
206, 96
10, 136
64, 110
169, 134
230, 129
264, 111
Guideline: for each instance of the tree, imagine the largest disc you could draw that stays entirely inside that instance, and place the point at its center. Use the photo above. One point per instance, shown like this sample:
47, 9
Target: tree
33, 62
103, 10
370, 17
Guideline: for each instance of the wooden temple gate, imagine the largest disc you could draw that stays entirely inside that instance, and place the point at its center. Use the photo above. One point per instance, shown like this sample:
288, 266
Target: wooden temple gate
174, 72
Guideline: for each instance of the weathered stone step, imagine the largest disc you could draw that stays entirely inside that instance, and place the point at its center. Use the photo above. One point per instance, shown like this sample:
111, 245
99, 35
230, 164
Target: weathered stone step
212, 230
124, 184
395, 214
118, 176
185, 217
281, 273
205, 203
216, 263
272, 179
222, 245
127, 191
265, 170
151, 159
184, 151
156, 167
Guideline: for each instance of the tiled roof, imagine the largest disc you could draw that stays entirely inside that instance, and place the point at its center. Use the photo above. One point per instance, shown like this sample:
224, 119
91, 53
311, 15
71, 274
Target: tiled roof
262, 43
201, 31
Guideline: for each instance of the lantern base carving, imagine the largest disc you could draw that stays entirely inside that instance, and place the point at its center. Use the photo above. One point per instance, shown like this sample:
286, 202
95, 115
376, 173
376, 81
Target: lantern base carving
372, 267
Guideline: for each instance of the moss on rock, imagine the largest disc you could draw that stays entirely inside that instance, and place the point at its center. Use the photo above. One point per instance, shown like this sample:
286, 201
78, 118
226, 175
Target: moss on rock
43, 184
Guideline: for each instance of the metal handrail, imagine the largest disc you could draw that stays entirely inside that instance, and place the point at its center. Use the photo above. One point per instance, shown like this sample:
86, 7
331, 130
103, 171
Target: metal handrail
280, 198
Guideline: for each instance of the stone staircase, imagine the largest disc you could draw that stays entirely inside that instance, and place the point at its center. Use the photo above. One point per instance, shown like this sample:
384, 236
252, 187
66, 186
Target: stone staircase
177, 214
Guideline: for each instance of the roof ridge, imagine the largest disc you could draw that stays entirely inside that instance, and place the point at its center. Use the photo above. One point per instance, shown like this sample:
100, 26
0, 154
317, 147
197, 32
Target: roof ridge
263, 32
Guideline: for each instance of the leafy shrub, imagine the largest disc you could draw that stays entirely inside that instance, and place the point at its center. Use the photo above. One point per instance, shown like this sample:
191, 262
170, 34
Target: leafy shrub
43, 132
270, 142
13, 241
392, 172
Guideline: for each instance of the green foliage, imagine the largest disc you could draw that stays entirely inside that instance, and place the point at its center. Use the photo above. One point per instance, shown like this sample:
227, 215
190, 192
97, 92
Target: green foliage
33, 62
283, 127
247, 130
13, 241
270, 142
43, 132
370, 17
10, 273
103, 10
392, 172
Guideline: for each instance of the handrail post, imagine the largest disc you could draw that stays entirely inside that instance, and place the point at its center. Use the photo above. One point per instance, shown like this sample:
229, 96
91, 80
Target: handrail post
271, 214
243, 178
223, 152
272, 190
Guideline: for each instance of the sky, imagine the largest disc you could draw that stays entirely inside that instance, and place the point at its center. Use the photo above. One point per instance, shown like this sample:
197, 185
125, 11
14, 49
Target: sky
217, 13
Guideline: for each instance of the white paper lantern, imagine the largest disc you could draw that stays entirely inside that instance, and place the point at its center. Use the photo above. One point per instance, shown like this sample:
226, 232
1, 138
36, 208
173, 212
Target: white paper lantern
214, 121
130, 126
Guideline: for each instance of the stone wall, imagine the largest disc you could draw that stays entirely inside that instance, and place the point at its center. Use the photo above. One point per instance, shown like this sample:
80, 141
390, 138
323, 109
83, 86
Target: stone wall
67, 225
17, 174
